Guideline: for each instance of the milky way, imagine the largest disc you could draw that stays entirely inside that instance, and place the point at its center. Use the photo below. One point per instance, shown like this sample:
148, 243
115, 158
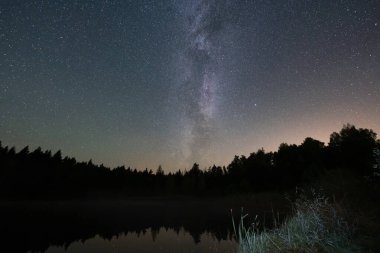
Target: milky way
146, 82
205, 20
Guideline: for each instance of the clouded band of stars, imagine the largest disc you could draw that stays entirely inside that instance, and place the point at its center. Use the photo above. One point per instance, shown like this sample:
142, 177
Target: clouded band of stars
144, 83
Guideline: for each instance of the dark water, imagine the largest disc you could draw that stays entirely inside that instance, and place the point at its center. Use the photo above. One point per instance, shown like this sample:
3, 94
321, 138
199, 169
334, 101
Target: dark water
119, 226
162, 240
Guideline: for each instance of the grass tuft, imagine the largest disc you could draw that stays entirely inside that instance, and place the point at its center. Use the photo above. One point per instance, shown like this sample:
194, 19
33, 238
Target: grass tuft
315, 227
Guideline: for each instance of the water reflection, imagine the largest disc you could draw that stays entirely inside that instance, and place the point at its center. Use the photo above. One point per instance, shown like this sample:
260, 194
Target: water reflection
162, 240
118, 226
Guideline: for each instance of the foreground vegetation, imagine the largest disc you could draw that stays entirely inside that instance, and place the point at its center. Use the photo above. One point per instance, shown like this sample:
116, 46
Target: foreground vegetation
342, 216
314, 227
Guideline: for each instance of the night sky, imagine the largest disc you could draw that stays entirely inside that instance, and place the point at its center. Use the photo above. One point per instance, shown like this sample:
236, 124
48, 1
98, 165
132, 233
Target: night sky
144, 83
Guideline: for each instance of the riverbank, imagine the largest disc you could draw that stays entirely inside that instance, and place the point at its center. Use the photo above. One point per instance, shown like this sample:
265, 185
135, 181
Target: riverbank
340, 216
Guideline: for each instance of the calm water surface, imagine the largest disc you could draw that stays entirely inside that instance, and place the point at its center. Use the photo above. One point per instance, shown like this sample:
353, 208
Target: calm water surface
123, 225
150, 241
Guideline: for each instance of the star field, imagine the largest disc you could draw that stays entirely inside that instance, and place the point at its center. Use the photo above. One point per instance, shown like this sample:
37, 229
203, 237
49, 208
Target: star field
144, 83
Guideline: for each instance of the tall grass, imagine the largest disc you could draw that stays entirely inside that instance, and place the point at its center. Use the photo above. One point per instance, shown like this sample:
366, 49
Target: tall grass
314, 227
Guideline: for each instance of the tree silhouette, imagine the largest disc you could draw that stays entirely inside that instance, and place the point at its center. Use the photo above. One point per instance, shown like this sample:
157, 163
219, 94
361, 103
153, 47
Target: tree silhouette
39, 174
353, 148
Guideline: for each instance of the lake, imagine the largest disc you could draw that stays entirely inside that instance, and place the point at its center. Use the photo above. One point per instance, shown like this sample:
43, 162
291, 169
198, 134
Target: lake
162, 240
138, 225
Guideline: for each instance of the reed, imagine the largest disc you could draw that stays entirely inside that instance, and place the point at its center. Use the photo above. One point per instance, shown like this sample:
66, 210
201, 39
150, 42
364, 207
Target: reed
315, 226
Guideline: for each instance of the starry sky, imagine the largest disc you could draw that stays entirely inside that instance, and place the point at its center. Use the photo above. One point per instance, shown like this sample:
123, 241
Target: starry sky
174, 82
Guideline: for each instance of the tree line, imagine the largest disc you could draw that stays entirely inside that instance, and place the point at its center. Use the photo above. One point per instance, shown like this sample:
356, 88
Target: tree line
41, 174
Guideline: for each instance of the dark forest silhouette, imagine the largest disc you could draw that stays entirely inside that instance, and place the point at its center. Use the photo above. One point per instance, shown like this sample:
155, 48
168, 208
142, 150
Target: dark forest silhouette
41, 174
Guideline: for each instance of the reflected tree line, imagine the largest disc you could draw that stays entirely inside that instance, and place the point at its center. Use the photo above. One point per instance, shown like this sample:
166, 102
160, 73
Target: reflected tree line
41, 174
36, 228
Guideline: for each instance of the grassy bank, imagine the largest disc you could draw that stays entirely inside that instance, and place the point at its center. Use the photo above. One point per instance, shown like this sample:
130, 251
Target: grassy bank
314, 227
345, 219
